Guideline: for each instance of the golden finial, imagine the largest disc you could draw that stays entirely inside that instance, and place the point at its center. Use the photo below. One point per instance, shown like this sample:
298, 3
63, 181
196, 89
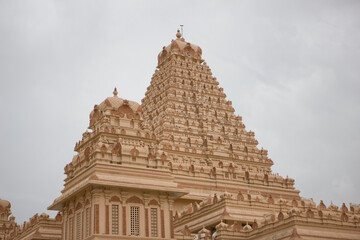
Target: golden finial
178, 34
115, 92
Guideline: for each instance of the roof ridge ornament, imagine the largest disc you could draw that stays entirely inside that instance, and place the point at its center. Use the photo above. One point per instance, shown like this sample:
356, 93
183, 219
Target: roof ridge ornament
178, 34
115, 92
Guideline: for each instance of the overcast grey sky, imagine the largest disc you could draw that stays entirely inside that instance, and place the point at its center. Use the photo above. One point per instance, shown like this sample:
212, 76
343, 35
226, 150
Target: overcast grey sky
291, 69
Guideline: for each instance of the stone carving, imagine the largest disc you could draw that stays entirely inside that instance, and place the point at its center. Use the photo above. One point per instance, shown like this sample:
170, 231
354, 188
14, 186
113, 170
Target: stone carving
134, 199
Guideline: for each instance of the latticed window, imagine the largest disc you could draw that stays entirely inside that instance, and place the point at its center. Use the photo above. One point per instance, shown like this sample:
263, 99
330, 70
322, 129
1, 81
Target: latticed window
87, 217
115, 219
78, 226
154, 219
70, 228
134, 221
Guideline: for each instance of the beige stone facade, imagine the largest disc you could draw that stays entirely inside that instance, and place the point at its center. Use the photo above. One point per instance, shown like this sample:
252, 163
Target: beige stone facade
180, 165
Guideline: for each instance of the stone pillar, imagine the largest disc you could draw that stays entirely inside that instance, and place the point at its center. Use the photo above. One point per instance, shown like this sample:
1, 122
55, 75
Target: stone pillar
98, 208
146, 209
163, 200
64, 224
171, 216
123, 211
107, 195
71, 221
146, 222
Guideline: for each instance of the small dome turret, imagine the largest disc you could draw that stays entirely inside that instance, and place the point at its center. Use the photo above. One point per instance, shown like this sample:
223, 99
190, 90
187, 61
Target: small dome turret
115, 105
180, 47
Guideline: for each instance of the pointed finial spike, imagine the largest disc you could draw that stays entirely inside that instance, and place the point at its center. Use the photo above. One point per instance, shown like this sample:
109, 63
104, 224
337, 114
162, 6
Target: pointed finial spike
115, 92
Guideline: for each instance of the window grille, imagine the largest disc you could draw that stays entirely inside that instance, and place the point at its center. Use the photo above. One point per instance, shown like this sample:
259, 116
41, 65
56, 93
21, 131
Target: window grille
153, 215
134, 221
70, 228
78, 226
115, 219
87, 217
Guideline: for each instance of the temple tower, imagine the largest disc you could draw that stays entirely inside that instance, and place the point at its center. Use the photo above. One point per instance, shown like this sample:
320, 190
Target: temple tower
208, 148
